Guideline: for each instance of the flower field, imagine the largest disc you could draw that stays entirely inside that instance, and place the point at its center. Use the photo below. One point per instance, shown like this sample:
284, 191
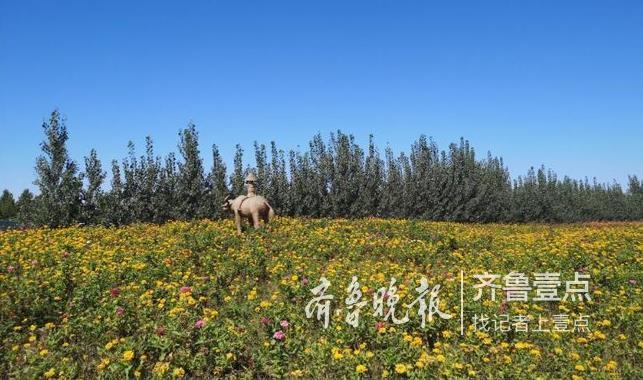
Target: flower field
192, 299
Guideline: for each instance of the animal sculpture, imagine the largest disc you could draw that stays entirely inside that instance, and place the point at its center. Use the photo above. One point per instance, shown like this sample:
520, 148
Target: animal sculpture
253, 208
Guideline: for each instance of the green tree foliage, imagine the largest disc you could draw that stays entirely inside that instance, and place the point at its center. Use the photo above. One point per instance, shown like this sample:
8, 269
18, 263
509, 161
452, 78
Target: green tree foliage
217, 187
392, 201
278, 189
92, 195
59, 202
26, 208
8, 208
634, 201
165, 198
237, 178
262, 167
191, 187
114, 209
334, 178
370, 193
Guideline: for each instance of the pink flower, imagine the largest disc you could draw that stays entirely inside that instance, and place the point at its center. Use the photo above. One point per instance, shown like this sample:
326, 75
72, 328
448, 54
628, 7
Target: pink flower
379, 325
114, 292
279, 335
34, 262
632, 282
11, 269
65, 254
199, 324
305, 281
160, 331
186, 289
120, 311
265, 320
284, 324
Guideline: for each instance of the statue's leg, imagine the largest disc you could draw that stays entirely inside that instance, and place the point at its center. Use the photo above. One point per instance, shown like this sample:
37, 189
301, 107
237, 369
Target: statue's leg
265, 216
237, 220
255, 219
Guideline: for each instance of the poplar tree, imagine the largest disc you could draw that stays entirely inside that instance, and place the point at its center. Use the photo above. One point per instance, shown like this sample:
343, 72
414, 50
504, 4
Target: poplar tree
26, 208
237, 179
279, 189
262, 167
60, 187
92, 195
8, 207
370, 197
114, 210
191, 185
392, 202
218, 189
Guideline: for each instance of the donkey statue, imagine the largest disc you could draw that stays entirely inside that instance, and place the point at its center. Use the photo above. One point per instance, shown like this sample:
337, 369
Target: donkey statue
253, 208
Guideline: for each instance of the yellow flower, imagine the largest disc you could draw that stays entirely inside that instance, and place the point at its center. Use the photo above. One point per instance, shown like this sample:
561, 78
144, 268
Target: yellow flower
128, 356
522, 345
44, 352
579, 367
178, 372
400, 369
361, 368
103, 363
297, 373
611, 366
51, 373
160, 368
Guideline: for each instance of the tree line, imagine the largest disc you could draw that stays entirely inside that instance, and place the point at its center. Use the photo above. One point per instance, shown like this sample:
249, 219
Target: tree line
331, 178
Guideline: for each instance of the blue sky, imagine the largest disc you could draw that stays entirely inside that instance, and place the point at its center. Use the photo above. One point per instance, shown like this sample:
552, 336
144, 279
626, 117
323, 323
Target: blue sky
558, 83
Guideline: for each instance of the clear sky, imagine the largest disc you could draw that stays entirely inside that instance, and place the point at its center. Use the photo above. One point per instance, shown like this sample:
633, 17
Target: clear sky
558, 83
